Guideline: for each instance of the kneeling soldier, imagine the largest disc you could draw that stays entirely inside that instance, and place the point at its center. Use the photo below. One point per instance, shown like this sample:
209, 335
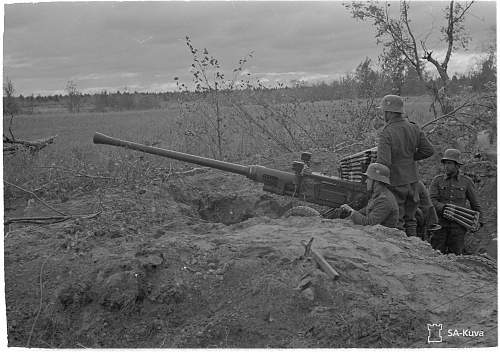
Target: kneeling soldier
382, 208
452, 188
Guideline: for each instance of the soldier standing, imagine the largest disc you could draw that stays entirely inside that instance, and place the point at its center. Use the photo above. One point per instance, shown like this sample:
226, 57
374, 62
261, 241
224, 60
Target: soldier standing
401, 143
451, 187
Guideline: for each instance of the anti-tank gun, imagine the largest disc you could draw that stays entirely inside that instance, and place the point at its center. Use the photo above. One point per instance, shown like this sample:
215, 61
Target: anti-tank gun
302, 183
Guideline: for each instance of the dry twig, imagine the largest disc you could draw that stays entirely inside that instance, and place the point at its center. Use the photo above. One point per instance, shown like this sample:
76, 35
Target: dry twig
46, 220
466, 104
41, 301
34, 145
38, 198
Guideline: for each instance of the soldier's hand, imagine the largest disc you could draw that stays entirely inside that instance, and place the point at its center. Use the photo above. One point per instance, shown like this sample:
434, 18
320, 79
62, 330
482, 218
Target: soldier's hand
346, 208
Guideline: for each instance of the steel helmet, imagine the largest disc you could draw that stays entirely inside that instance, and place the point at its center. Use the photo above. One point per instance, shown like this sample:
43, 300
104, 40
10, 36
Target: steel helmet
392, 103
378, 172
452, 155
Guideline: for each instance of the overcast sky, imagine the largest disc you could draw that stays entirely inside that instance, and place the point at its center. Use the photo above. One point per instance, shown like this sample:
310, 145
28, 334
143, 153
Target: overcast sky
141, 45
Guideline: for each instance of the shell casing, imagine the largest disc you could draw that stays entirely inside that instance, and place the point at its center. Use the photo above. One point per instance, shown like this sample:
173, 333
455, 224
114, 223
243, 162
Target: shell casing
369, 152
462, 209
459, 217
469, 216
467, 223
460, 222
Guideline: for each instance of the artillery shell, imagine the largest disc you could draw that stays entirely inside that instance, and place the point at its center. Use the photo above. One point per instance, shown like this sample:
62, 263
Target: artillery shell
353, 174
465, 210
460, 207
458, 221
353, 170
354, 167
356, 157
356, 163
467, 226
355, 179
461, 220
465, 215
458, 216
462, 210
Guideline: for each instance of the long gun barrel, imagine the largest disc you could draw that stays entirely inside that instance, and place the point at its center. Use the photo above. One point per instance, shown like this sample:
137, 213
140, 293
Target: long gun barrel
308, 186
100, 138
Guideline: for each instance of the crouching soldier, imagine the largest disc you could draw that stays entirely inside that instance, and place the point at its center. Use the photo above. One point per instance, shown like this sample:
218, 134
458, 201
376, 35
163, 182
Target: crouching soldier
382, 208
452, 188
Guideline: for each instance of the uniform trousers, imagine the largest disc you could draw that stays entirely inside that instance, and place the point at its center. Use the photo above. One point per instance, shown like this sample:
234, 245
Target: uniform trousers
449, 239
407, 199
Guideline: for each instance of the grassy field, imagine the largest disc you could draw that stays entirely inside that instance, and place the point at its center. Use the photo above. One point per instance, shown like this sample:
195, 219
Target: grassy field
165, 126
311, 126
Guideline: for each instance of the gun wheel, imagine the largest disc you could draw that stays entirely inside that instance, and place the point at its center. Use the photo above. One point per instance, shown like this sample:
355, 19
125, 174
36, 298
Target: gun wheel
301, 211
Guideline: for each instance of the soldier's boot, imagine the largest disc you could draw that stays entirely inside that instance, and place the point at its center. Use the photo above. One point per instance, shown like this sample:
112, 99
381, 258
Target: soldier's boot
411, 228
411, 231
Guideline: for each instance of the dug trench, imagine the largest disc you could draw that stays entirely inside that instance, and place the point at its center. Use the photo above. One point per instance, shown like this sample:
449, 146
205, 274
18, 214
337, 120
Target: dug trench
209, 261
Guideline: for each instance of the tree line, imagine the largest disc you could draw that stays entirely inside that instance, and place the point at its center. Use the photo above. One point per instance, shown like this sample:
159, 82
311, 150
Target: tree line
362, 83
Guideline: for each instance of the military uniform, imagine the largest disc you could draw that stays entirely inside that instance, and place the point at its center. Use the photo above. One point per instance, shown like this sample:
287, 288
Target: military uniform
401, 143
426, 216
381, 209
456, 190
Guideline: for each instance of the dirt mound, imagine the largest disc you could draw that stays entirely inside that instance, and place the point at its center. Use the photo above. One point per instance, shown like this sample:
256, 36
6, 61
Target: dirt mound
208, 261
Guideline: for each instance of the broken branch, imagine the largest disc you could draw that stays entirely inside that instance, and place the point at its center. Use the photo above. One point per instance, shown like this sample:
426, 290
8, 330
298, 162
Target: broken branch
34, 195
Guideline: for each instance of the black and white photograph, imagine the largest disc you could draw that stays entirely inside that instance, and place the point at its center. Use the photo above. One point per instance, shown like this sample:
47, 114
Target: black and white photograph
249, 174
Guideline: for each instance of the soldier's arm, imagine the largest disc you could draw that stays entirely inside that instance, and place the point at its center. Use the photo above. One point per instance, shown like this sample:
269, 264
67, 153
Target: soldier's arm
362, 211
470, 193
379, 213
424, 148
384, 150
434, 194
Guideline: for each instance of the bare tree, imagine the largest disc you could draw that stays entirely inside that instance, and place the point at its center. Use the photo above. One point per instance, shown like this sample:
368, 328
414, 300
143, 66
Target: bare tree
74, 96
396, 33
10, 106
11, 144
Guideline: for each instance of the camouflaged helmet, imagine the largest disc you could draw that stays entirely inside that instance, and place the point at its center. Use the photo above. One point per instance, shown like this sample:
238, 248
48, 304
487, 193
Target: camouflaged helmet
392, 103
378, 172
452, 155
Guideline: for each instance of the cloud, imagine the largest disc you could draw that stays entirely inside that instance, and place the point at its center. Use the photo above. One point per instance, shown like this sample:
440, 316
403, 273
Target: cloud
142, 44
460, 62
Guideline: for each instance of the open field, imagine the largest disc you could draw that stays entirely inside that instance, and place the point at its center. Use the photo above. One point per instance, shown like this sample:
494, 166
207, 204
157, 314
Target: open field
167, 127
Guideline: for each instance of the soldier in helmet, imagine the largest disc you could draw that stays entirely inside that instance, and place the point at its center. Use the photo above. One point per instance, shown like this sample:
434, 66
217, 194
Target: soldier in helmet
382, 207
401, 143
452, 187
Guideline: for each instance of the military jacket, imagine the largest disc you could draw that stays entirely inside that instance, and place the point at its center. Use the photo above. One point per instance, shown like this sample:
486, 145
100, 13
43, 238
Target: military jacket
455, 190
401, 143
382, 209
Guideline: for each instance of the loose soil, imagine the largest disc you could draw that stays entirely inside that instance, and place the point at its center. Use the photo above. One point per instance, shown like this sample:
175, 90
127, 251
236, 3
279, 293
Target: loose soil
207, 260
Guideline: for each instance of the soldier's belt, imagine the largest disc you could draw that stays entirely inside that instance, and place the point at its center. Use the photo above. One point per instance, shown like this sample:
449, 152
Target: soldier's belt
463, 216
